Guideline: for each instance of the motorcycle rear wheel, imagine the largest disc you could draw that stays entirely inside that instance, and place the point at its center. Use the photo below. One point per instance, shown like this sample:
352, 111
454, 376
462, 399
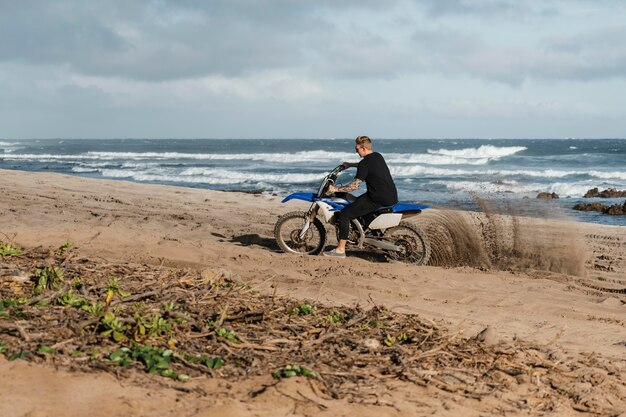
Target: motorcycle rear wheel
287, 234
414, 243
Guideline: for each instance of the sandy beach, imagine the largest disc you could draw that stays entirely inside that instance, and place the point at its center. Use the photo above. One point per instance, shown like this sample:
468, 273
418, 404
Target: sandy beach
552, 283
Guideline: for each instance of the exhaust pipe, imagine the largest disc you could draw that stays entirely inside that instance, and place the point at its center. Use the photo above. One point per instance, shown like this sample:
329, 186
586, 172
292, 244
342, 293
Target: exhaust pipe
381, 244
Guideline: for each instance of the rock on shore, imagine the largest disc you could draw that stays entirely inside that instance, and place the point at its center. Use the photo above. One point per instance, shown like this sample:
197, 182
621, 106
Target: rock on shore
547, 196
608, 193
615, 209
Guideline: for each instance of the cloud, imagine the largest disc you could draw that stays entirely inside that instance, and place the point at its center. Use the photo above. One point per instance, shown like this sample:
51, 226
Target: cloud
582, 57
166, 40
478, 7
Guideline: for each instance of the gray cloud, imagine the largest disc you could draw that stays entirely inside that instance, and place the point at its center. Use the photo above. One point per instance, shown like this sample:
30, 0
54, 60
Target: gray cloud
581, 57
480, 7
165, 40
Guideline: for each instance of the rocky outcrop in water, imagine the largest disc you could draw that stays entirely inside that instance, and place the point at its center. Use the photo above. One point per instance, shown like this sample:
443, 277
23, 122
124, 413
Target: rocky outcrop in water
608, 193
615, 209
547, 196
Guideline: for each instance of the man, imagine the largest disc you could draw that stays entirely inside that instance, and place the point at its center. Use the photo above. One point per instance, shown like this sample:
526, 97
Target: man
381, 190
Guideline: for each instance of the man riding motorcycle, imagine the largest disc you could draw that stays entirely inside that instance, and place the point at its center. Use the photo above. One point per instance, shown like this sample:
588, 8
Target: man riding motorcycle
381, 190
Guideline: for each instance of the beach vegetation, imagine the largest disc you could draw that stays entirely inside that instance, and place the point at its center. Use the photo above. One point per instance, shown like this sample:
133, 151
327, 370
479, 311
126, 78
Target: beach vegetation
20, 354
229, 335
155, 360
65, 247
49, 277
294, 370
215, 362
171, 306
391, 340
46, 350
113, 288
67, 298
333, 318
159, 326
303, 309
113, 326
7, 249
96, 309
7, 303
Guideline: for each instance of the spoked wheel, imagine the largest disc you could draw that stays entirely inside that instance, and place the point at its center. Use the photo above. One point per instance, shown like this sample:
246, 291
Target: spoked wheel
413, 244
287, 234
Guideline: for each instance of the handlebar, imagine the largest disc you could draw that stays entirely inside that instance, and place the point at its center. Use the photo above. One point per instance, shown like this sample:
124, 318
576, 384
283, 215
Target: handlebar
329, 179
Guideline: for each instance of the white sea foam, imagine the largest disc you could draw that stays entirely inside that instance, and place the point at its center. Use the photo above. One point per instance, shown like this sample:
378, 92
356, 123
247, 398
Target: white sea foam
49, 157
419, 170
208, 176
484, 151
9, 147
295, 157
531, 189
81, 170
432, 159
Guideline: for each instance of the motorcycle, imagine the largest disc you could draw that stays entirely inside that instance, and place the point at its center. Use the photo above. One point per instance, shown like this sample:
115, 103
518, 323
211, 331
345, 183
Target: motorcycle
303, 233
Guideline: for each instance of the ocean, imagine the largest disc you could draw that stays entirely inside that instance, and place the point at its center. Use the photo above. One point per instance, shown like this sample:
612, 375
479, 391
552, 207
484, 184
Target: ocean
450, 173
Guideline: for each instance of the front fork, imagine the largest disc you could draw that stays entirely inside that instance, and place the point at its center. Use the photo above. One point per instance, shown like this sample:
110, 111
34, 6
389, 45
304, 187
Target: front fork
310, 218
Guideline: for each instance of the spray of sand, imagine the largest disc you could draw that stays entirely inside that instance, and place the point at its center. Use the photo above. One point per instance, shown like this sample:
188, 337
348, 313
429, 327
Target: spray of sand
503, 241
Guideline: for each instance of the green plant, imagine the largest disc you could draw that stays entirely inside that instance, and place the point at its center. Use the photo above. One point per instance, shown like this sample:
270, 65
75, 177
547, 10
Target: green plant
113, 326
95, 309
113, 288
7, 249
7, 303
155, 360
392, 340
3, 348
20, 354
159, 326
294, 370
64, 248
304, 309
49, 277
333, 318
229, 335
66, 298
211, 363
45, 350
171, 306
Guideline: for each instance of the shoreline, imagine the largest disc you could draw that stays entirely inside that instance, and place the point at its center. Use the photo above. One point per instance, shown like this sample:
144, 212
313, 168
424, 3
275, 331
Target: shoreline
500, 204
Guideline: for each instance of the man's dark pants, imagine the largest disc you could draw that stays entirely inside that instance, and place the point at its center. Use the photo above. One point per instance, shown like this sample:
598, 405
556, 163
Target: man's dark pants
363, 205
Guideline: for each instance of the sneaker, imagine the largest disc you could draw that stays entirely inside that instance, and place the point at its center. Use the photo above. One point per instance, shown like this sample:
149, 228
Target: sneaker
334, 254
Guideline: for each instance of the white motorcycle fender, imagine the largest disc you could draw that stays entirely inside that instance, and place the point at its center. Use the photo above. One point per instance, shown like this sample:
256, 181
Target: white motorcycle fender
385, 221
326, 210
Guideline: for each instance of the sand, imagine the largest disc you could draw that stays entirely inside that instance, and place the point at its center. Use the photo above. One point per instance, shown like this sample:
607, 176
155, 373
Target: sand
542, 281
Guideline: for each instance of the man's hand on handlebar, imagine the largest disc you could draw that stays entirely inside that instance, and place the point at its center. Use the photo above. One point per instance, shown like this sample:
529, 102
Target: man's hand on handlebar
347, 165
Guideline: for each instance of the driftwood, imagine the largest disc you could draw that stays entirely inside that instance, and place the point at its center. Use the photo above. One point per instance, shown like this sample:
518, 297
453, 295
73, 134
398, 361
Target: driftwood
262, 334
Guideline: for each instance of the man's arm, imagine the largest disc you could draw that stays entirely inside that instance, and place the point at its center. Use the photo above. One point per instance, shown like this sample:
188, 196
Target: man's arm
356, 183
347, 165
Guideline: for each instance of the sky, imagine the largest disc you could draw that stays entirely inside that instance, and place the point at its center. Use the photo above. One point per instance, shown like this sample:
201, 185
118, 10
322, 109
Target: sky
312, 69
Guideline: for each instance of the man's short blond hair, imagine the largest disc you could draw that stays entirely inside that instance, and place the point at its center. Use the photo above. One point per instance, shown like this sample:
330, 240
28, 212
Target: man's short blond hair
364, 142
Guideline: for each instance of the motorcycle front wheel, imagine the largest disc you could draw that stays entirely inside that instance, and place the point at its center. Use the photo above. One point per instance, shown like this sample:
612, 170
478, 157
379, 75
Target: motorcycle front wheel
413, 243
287, 234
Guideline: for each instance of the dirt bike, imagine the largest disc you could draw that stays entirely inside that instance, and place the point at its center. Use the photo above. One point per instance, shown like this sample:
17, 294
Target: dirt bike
303, 233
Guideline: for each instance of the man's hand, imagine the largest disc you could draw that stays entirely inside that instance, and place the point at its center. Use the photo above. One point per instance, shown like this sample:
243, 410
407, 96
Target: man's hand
346, 188
347, 165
